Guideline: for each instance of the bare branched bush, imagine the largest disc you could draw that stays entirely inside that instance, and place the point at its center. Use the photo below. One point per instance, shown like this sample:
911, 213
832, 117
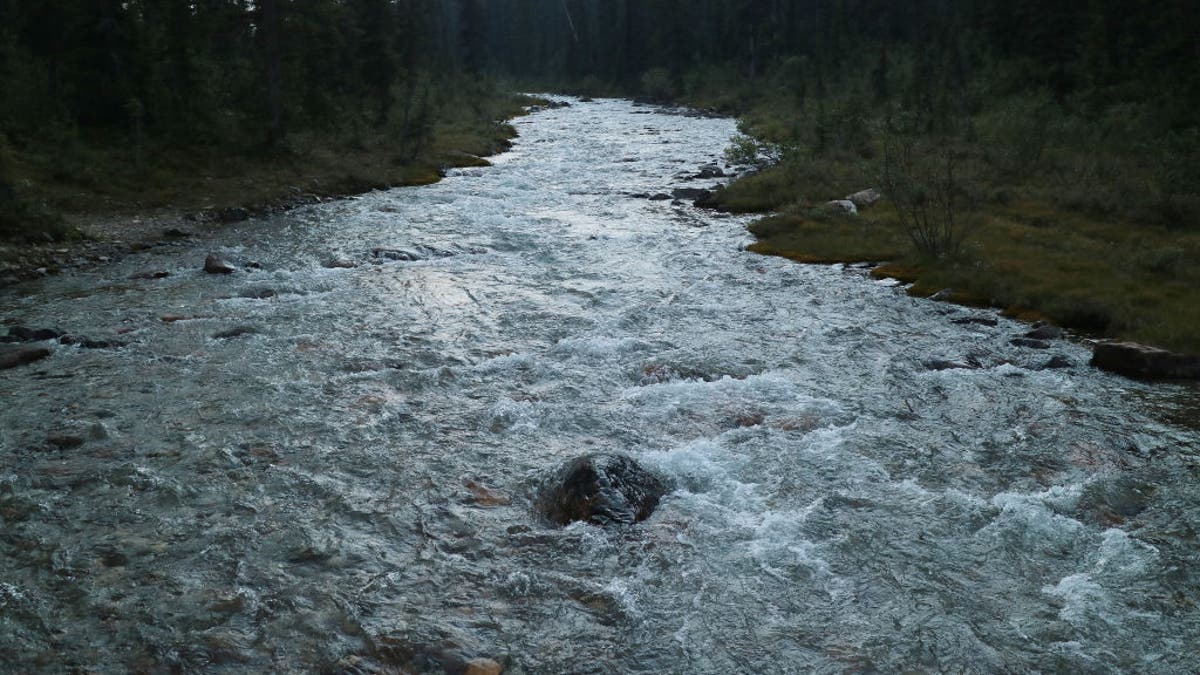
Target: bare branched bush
920, 175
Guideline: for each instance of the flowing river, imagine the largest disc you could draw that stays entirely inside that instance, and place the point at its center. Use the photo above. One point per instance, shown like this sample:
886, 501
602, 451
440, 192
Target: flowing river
345, 483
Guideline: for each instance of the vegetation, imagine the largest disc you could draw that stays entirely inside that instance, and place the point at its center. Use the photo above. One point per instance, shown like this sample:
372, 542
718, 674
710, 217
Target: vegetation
121, 106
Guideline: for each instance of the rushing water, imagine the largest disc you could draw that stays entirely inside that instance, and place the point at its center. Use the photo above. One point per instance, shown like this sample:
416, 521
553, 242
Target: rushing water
350, 487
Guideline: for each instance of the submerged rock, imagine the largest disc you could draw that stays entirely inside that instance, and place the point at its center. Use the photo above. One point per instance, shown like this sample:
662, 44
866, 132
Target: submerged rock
215, 265
603, 489
1137, 360
694, 194
233, 215
23, 334
20, 355
1031, 343
1045, 333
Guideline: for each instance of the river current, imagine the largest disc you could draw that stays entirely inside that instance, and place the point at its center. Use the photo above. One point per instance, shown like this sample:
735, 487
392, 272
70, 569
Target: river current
348, 485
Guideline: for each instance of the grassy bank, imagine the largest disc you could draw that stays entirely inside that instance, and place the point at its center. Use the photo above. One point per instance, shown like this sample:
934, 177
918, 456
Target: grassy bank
54, 182
1088, 221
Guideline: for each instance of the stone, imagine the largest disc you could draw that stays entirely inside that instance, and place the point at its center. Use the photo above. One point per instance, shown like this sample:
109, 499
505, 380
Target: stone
157, 274
989, 321
12, 356
844, 205
1133, 359
1058, 361
176, 233
233, 215
1046, 332
340, 263
943, 295
602, 489
1031, 343
660, 197
942, 364
215, 265
238, 331
486, 496
690, 193
64, 441
481, 666
865, 199
23, 334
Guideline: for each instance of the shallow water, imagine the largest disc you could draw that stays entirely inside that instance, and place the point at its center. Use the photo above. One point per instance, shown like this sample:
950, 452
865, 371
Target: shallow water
328, 491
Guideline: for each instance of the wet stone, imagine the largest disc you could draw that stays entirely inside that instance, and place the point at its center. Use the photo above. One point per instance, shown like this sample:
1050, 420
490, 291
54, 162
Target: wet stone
1030, 343
238, 331
23, 334
64, 441
14, 356
602, 489
215, 265
1045, 333
157, 274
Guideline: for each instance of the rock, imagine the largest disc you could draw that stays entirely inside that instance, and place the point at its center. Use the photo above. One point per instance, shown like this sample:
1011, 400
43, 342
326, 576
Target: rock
254, 265
693, 194
603, 489
1137, 360
844, 205
64, 441
98, 432
239, 331
940, 364
486, 496
258, 293
482, 666
660, 197
423, 252
233, 215
865, 199
340, 263
176, 233
1031, 343
88, 343
215, 265
12, 356
977, 320
943, 295
710, 171
1057, 362
158, 274
23, 334
1045, 333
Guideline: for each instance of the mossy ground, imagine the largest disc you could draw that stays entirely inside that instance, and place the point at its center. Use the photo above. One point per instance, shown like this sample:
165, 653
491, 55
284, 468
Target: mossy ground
1036, 260
101, 177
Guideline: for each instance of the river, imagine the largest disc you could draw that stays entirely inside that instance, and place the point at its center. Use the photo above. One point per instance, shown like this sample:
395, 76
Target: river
348, 485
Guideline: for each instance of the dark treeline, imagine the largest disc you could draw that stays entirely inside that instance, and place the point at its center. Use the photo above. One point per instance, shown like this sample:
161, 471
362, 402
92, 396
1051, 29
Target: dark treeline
210, 70
1110, 49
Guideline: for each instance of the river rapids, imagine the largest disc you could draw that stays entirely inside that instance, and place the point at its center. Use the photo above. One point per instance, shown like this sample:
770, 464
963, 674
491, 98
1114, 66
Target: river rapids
345, 481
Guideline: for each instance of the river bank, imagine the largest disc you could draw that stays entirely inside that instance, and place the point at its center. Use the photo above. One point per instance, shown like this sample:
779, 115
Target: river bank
112, 208
1105, 265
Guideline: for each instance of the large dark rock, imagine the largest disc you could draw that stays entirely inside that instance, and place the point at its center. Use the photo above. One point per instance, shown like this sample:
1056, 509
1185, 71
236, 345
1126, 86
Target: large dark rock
234, 214
694, 194
604, 489
12, 356
23, 334
1138, 360
1046, 332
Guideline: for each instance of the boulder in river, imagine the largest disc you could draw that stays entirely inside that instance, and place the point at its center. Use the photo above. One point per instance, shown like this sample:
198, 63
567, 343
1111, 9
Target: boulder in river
234, 214
603, 489
23, 334
215, 265
1046, 332
1137, 360
12, 356
694, 194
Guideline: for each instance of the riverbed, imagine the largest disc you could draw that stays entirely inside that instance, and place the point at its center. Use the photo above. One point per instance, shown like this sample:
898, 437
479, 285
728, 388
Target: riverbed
329, 460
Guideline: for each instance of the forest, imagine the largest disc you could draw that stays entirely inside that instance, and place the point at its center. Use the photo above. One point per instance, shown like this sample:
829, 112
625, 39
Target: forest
985, 121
